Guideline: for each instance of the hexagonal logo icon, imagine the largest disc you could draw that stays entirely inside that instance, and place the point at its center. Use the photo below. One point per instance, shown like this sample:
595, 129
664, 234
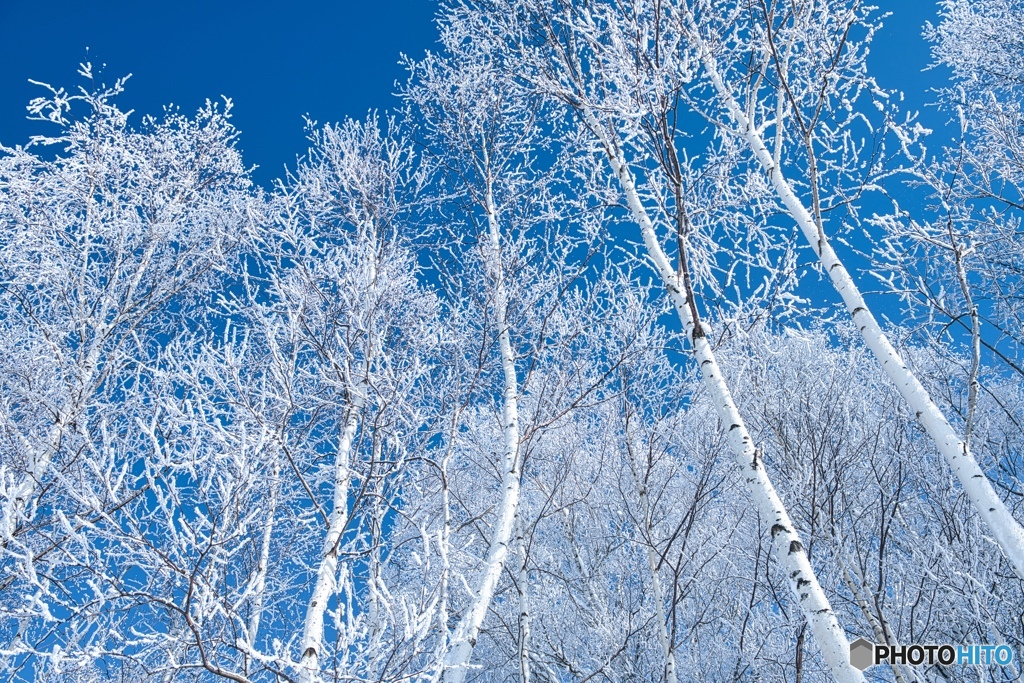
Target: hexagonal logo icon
862, 653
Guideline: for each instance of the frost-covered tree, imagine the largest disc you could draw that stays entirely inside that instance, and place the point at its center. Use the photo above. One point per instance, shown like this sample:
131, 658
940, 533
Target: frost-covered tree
514, 257
346, 306
533, 382
109, 247
791, 82
621, 70
958, 263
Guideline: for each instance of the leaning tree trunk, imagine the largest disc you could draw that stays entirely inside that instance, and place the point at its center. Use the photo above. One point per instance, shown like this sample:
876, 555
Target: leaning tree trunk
1007, 531
789, 548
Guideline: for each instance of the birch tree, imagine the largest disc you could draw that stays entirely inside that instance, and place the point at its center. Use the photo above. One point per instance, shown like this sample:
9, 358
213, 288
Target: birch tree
106, 245
520, 253
345, 298
957, 260
760, 83
464, 112
599, 62
464, 394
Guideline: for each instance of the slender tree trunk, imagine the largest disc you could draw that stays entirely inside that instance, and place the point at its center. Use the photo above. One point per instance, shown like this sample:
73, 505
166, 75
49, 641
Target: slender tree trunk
882, 633
313, 627
789, 549
377, 610
597, 609
972, 381
523, 582
1007, 531
667, 646
799, 663
260, 581
465, 637
443, 543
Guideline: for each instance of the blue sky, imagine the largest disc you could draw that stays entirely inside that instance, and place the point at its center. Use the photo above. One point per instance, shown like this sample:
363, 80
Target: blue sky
277, 60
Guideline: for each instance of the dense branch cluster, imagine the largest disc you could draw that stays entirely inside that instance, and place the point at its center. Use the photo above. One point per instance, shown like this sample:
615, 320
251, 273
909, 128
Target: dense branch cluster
557, 375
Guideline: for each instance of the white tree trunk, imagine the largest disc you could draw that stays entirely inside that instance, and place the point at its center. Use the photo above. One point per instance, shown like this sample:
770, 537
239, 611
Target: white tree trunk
524, 605
789, 549
313, 627
260, 581
883, 634
668, 650
465, 637
1007, 531
667, 645
443, 544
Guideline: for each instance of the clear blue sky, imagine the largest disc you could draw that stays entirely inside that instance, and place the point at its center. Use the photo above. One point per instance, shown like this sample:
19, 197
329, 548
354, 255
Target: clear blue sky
276, 60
